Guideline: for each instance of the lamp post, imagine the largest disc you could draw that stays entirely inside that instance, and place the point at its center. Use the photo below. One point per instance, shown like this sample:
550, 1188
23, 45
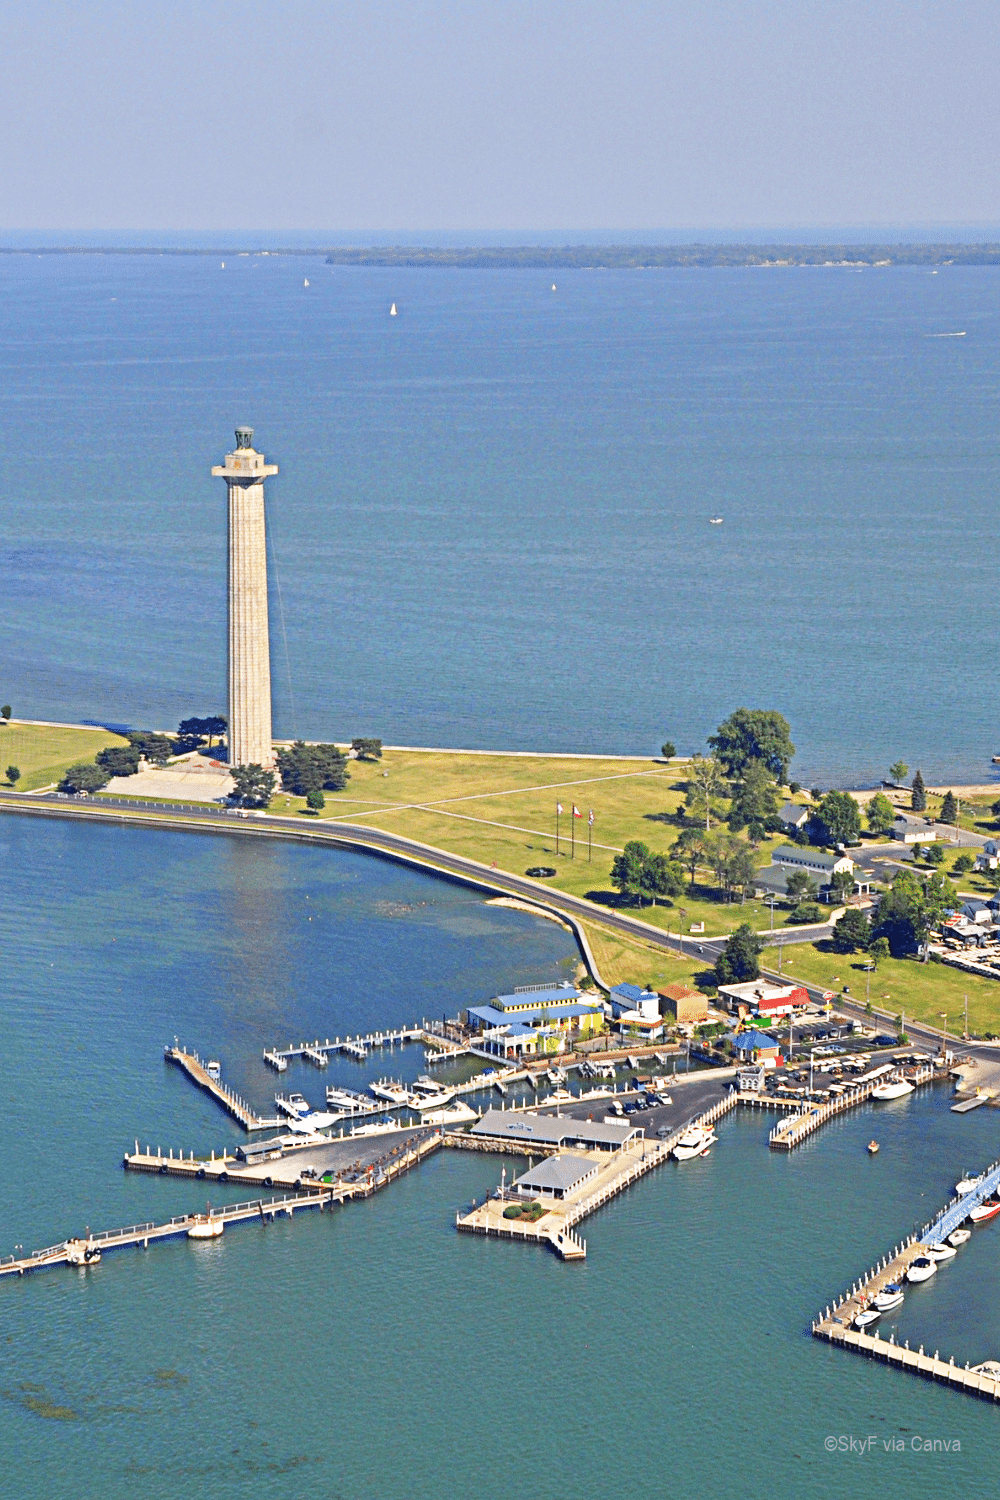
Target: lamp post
944, 1040
682, 913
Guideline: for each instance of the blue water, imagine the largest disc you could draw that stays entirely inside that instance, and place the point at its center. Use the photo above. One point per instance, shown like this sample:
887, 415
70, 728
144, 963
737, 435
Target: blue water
375, 1352
490, 524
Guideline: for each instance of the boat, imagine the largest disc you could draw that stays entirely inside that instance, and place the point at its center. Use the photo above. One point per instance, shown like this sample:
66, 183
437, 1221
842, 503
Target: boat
695, 1141
306, 281
959, 1237
553, 286
438, 1100
559, 1096
872, 1148
392, 310
889, 1297
82, 1252
458, 1113
205, 1227
967, 1185
923, 1268
715, 520
350, 1102
556, 1075
893, 1090
938, 1251
214, 1070
988, 1209
989, 1367
388, 1089
866, 1318
293, 1105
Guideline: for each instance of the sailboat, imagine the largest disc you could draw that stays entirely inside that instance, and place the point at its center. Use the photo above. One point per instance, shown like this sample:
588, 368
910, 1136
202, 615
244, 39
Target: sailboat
553, 286
392, 310
306, 281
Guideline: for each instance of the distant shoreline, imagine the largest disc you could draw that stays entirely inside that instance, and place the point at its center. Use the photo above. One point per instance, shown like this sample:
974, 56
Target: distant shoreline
577, 257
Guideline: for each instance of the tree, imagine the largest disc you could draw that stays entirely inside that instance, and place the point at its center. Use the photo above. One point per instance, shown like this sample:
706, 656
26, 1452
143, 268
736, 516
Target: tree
705, 783
119, 760
799, 885
252, 785
668, 750
367, 749
157, 748
732, 862
662, 877
840, 818
215, 727
918, 794
852, 932
934, 854
84, 777
190, 736
305, 768
963, 864
627, 868
753, 801
13, 775
5, 711
898, 770
805, 911
691, 849
949, 808
879, 949
842, 885
910, 908
754, 734
315, 801
881, 813
740, 958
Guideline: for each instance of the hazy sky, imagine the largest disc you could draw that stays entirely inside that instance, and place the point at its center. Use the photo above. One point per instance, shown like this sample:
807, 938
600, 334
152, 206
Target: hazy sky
505, 114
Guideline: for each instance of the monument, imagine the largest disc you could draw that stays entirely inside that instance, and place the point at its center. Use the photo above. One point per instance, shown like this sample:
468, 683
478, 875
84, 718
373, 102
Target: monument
249, 656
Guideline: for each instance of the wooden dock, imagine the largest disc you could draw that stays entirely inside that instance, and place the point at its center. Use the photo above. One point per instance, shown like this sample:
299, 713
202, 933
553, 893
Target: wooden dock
794, 1129
931, 1367
232, 1103
224, 1168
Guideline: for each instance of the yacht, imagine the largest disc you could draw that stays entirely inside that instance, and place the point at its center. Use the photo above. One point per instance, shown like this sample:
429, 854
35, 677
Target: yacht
967, 1185
392, 310
959, 1237
556, 1075
350, 1102
392, 1091
923, 1268
204, 1227
305, 281
715, 520
694, 1142
889, 1297
892, 1090
941, 1252
560, 1096
293, 1105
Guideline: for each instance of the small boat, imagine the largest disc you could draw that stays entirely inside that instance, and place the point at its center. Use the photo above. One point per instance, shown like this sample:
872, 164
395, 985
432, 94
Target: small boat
893, 1090
967, 1185
82, 1252
204, 1227
392, 1091
872, 1148
989, 1367
295, 1104
306, 281
694, 1142
715, 520
553, 286
556, 1075
559, 1096
392, 310
959, 1237
988, 1209
923, 1268
866, 1318
214, 1070
941, 1252
889, 1297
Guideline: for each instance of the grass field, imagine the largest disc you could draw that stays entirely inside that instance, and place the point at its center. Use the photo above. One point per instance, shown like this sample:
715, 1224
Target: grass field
43, 752
922, 991
624, 960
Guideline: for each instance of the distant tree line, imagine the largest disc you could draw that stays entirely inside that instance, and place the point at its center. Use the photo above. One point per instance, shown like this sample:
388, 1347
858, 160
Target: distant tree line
641, 257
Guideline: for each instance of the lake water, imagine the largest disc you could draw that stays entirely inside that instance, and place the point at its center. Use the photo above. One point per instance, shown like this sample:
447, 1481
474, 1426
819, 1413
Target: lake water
374, 1351
491, 523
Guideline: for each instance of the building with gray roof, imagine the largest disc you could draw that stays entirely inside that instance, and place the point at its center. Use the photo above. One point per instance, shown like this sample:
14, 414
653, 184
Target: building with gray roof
554, 1132
556, 1177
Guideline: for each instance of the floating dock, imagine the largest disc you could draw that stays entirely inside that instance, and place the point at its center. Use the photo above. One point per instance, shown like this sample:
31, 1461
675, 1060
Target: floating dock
191, 1064
794, 1129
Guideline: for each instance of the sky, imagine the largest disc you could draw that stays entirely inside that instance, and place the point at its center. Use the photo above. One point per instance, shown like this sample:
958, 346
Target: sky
505, 115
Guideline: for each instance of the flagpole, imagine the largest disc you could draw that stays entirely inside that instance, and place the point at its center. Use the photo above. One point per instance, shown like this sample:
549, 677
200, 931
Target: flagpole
590, 834
572, 830
557, 827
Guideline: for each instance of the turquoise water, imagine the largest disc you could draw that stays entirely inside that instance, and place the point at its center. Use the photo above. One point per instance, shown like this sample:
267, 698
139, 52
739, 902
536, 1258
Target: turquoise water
490, 524
375, 1352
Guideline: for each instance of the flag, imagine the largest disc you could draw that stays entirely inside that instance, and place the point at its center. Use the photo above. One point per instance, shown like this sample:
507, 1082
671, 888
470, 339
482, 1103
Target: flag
576, 811
559, 808
590, 820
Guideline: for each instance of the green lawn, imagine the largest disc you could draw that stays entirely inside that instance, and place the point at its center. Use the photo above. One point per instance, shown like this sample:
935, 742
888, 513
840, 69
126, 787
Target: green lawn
44, 751
623, 960
922, 991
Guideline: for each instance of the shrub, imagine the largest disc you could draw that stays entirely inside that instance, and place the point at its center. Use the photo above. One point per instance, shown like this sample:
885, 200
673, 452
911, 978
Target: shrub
513, 1211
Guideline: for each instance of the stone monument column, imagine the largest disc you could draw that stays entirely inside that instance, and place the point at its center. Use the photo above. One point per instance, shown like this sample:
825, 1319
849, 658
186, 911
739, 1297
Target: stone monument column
249, 655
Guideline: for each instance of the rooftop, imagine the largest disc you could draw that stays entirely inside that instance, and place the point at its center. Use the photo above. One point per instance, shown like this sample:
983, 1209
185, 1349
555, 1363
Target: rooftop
557, 1174
549, 1130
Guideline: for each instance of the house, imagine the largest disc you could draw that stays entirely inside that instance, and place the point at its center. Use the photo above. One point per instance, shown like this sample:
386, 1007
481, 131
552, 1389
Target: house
794, 815
790, 859
555, 1132
682, 1004
755, 1046
911, 828
975, 911
759, 998
557, 1176
988, 857
629, 997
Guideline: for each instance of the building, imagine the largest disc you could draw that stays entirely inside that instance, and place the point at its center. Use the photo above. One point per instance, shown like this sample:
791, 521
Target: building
755, 1046
557, 1176
536, 1020
629, 997
249, 651
794, 815
682, 1004
554, 1132
988, 857
790, 859
759, 998
911, 828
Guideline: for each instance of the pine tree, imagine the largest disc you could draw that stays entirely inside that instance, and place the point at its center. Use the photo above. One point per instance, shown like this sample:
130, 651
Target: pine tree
918, 801
949, 808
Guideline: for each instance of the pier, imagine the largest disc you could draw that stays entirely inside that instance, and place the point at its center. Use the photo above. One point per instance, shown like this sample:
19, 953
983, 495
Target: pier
191, 1064
358, 1047
794, 1129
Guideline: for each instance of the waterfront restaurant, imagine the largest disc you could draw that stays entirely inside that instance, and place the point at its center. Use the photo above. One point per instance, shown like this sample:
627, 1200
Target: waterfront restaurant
557, 1176
536, 1020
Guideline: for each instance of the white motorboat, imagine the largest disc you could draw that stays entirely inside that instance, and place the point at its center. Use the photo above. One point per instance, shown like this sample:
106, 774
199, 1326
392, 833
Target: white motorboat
959, 1237
893, 1090
205, 1227
293, 1104
391, 1090
82, 1252
556, 1075
214, 1070
432, 1101
989, 1367
889, 1297
349, 1102
559, 1096
922, 1269
694, 1142
967, 1185
715, 520
866, 1318
941, 1252
305, 281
